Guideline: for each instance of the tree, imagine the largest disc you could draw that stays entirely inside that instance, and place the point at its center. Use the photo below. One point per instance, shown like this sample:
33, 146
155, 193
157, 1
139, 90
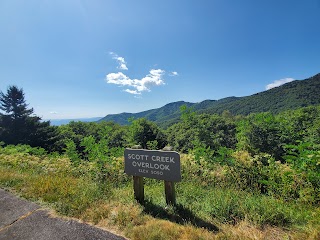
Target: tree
215, 131
211, 131
19, 125
147, 134
182, 135
13, 103
262, 133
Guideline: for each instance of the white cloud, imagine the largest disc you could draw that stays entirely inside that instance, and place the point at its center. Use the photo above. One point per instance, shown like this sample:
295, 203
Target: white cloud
122, 63
119, 79
132, 91
154, 78
173, 74
136, 86
279, 82
53, 112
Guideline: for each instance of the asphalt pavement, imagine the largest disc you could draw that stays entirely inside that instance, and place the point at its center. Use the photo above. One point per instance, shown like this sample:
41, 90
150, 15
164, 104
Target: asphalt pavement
23, 220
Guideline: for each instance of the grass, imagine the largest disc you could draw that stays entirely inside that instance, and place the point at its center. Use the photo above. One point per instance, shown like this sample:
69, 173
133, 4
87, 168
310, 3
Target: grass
204, 210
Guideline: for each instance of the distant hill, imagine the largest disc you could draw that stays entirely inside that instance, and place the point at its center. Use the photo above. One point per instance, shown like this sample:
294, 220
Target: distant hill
296, 94
163, 114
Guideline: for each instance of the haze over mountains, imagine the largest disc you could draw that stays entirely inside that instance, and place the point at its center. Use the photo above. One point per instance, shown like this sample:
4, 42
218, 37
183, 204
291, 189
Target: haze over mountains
58, 122
292, 95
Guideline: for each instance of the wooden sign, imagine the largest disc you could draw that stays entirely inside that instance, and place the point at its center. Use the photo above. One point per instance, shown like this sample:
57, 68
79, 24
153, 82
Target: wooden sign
162, 165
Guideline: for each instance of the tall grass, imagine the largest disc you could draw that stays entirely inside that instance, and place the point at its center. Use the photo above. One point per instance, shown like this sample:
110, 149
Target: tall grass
210, 203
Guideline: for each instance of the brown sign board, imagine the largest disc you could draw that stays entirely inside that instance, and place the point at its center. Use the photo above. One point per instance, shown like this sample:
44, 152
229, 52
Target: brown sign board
162, 165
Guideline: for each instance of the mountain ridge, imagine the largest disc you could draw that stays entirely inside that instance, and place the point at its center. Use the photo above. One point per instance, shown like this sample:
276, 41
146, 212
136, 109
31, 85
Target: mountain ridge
292, 95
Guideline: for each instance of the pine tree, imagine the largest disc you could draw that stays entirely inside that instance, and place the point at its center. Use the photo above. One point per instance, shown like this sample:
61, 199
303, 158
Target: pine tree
13, 103
18, 124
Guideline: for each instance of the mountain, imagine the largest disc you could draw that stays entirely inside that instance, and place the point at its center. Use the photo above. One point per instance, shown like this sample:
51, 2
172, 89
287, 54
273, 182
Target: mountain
296, 94
163, 114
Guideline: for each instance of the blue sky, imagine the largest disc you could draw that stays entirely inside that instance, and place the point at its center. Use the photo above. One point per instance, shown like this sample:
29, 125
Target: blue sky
89, 58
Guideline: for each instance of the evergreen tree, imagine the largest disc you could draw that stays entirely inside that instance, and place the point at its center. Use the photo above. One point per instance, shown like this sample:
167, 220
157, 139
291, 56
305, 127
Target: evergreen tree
18, 123
13, 103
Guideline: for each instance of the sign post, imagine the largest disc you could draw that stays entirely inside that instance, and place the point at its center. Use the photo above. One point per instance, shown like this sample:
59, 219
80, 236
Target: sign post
170, 193
138, 188
157, 164
138, 184
169, 189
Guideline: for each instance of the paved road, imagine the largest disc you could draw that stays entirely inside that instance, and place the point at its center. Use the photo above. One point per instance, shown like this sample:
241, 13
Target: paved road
24, 220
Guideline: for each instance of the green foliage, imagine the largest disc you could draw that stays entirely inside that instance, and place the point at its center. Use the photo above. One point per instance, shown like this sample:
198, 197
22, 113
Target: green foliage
230, 206
269, 133
261, 133
202, 152
305, 156
152, 144
301, 124
211, 131
74, 131
103, 158
114, 134
187, 113
71, 152
147, 134
13, 103
23, 149
305, 159
216, 131
19, 126
183, 134
263, 175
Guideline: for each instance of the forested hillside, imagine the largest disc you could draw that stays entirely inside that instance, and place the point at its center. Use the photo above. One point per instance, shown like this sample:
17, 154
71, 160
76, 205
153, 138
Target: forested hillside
299, 93
165, 113
292, 95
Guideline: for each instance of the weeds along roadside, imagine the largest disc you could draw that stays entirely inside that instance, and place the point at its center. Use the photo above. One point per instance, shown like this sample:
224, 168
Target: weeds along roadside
214, 200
